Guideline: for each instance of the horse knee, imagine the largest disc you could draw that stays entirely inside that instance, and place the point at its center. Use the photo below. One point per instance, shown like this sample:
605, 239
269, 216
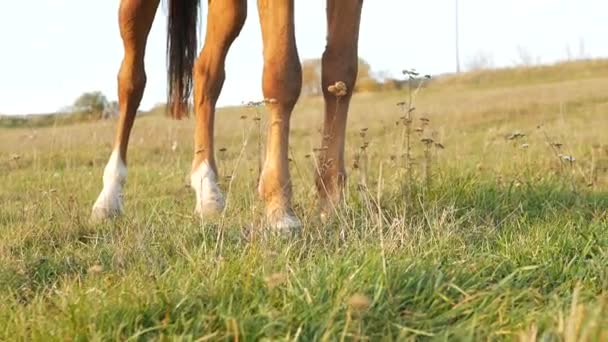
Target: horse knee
339, 65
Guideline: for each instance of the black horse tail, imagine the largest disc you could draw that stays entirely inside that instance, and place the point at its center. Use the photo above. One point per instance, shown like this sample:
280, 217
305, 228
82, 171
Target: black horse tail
182, 28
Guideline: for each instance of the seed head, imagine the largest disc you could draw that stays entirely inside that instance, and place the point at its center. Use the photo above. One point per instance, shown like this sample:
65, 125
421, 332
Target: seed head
95, 269
275, 279
568, 158
515, 135
339, 89
359, 302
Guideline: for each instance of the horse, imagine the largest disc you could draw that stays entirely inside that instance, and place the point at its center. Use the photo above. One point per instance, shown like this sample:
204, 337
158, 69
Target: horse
203, 74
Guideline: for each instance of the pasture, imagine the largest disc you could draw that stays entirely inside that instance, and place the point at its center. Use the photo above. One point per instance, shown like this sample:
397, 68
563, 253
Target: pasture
496, 229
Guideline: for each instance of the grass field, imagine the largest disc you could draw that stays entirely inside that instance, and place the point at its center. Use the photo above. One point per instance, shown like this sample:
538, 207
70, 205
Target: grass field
503, 234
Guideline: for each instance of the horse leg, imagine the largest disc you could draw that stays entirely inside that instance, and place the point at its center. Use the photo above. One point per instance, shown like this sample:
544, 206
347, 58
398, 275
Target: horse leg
224, 22
282, 82
135, 21
339, 64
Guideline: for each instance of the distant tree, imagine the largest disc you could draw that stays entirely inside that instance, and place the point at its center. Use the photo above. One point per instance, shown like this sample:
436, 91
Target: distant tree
312, 73
91, 102
110, 110
311, 77
481, 60
390, 83
525, 57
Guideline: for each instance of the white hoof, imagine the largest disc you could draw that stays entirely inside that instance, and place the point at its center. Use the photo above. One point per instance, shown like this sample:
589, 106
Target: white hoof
283, 221
106, 207
109, 202
209, 198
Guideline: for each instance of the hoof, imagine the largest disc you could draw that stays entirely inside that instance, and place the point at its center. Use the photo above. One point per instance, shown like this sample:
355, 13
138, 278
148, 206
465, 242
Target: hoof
283, 221
106, 207
209, 198
109, 203
210, 206
327, 210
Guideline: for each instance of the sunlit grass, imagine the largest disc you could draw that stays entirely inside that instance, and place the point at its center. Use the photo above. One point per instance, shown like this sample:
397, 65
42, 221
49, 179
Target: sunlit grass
509, 240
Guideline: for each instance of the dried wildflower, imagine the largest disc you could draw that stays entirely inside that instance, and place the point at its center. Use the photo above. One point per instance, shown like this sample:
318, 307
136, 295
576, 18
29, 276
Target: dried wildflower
275, 279
339, 89
254, 103
524, 146
243, 117
359, 302
402, 103
425, 120
95, 269
427, 140
257, 118
515, 135
557, 145
568, 158
307, 155
410, 72
439, 145
419, 129
223, 149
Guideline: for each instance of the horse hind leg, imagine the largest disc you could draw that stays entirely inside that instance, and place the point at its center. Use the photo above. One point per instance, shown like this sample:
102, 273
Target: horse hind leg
339, 64
135, 21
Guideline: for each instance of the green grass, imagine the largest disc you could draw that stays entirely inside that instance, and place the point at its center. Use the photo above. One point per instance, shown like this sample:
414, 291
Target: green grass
504, 243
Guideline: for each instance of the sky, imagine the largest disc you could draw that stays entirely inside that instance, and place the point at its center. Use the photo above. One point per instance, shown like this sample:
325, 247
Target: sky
51, 51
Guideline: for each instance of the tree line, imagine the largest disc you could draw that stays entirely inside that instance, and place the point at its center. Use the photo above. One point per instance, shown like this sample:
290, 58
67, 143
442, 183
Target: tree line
95, 105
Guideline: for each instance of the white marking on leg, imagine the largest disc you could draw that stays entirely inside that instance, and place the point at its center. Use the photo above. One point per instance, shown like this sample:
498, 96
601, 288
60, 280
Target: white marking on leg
209, 199
109, 202
279, 219
283, 221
